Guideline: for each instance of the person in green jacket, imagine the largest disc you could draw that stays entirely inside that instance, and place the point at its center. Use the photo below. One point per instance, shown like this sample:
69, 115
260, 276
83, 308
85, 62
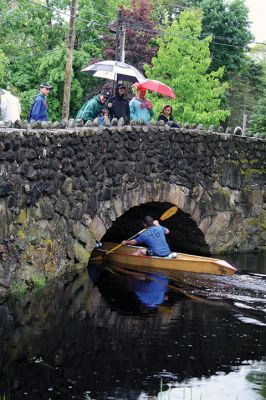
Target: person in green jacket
93, 107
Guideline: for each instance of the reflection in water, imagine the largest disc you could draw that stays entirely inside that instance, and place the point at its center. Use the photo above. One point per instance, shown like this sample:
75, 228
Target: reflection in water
151, 290
245, 383
142, 292
100, 335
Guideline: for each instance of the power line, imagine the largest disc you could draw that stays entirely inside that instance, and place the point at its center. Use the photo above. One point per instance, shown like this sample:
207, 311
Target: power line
60, 12
162, 33
51, 51
48, 42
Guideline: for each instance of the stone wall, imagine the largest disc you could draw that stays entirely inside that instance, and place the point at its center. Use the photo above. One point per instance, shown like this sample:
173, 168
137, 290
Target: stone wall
62, 188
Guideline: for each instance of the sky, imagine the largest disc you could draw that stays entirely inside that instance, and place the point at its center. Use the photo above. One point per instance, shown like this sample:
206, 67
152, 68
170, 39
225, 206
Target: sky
257, 13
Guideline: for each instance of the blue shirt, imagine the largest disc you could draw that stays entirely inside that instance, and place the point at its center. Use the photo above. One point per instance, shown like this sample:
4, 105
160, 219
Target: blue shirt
139, 111
154, 239
39, 111
151, 293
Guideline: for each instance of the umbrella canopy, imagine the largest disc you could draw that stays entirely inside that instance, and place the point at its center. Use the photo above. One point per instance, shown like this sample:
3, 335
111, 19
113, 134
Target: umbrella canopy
114, 70
156, 86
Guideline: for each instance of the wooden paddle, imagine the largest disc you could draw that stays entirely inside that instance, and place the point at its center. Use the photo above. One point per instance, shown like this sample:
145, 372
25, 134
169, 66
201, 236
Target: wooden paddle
167, 214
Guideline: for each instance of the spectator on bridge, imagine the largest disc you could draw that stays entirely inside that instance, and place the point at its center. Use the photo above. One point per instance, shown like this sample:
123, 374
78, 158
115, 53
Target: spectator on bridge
166, 115
10, 108
39, 108
140, 107
93, 107
118, 105
103, 114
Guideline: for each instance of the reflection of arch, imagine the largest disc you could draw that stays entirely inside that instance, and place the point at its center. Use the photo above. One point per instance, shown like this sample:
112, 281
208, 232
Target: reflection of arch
129, 292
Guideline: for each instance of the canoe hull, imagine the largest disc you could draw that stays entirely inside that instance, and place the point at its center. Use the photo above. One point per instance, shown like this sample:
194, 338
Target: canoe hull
183, 262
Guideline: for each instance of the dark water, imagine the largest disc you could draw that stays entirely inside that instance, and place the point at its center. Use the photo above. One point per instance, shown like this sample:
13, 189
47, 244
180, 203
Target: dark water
129, 335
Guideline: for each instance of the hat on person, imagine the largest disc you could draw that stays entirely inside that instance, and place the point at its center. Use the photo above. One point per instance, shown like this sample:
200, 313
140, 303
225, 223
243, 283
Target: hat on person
120, 85
45, 85
105, 94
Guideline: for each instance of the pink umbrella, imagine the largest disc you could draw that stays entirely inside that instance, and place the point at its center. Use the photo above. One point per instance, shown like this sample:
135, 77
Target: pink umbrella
156, 86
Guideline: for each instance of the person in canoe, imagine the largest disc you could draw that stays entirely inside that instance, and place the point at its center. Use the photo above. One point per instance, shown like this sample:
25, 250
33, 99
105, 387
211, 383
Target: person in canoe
153, 238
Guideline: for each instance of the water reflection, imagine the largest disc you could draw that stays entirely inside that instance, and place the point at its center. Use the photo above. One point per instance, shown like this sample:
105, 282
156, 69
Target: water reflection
131, 292
104, 334
245, 383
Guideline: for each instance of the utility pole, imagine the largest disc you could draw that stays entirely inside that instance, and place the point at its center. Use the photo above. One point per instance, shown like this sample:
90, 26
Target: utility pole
245, 117
122, 43
120, 38
118, 34
69, 60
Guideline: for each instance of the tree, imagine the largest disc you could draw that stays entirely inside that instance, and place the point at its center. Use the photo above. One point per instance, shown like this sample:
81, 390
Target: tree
246, 85
33, 40
182, 62
226, 21
257, 117
3, 68
140, 33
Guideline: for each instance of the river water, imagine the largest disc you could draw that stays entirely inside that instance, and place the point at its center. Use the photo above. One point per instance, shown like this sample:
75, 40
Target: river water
121, 334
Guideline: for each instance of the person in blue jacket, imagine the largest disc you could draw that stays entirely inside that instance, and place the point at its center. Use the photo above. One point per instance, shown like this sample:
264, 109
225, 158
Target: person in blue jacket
39, 109
153, 238
140, 107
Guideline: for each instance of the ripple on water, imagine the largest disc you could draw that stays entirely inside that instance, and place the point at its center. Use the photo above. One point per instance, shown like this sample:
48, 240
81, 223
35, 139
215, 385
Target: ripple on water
252, 321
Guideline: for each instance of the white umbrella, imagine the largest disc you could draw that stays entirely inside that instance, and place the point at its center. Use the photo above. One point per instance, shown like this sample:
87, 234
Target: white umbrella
115, 71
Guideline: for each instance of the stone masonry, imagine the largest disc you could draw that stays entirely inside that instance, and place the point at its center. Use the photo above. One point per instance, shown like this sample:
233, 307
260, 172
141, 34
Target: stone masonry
62, 188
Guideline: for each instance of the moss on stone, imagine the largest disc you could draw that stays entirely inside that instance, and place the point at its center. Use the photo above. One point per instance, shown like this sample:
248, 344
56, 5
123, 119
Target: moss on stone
251, 171
21, 234
22, 216
81, 253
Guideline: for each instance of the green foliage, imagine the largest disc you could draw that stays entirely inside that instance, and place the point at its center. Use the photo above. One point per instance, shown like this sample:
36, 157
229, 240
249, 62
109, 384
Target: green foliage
228, 23
257, 117
33, 46
38, 281
3, 68
182, 63
257, 121
246, 86
18, 290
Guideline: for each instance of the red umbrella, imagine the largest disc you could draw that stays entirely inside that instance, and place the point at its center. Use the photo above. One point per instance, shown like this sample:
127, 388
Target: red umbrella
156, 86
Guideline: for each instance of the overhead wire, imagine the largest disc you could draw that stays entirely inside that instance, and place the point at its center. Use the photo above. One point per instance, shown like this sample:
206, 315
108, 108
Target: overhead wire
60, 11
160, 32
135, 26
46, 43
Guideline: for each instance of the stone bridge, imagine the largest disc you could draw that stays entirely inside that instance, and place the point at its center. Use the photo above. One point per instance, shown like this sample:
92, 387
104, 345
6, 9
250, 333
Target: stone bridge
62, 188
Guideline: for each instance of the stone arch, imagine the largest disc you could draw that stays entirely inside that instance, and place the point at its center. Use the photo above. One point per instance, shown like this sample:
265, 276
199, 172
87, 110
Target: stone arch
114, 214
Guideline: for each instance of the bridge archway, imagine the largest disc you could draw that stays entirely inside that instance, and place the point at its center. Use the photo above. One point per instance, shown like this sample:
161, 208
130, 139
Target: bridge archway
185, 236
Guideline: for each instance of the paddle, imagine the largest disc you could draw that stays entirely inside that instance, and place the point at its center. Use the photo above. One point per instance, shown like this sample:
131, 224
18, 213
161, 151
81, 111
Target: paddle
167, 214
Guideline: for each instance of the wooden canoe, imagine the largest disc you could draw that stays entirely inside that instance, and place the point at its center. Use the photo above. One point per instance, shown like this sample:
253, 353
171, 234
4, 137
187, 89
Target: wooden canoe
183, 262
